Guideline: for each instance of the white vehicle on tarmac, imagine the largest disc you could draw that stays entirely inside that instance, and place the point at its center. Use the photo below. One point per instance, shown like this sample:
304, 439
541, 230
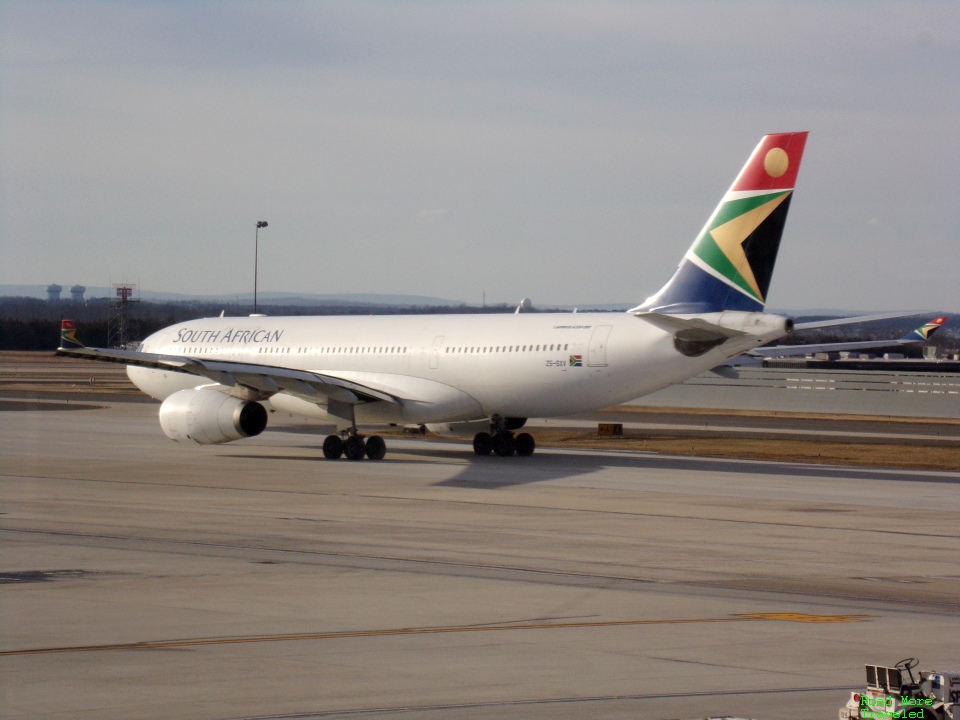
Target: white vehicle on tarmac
896, 693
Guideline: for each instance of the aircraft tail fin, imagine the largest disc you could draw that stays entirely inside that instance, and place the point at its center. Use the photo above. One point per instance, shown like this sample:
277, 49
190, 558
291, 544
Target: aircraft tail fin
730, 264
68, 335
924, 332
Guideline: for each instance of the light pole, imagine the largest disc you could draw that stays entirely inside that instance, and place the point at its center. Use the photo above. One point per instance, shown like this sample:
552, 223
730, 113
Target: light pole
256, 254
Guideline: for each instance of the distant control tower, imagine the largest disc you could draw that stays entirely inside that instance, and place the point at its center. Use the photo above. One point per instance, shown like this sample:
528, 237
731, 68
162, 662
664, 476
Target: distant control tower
76, 293
53, 292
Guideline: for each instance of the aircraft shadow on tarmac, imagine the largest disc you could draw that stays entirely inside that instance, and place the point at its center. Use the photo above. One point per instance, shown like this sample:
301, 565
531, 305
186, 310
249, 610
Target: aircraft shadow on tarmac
494, 472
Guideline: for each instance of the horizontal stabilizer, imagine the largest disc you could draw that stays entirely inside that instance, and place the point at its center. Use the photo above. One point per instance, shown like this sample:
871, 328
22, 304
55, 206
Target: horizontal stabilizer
695, 325
695, 335
730, 324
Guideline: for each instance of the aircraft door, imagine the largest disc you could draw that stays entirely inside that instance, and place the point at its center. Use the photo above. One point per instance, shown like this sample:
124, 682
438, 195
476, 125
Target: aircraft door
597, 354
435, 352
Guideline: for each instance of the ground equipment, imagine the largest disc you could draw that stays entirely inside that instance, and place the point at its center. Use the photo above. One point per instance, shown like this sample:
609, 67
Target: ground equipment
894, 692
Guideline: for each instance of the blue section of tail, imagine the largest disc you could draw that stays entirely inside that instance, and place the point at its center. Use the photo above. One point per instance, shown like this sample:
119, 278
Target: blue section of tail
694, 290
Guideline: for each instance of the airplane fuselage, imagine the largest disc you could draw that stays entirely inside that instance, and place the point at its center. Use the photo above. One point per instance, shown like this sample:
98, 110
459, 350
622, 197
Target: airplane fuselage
448, 367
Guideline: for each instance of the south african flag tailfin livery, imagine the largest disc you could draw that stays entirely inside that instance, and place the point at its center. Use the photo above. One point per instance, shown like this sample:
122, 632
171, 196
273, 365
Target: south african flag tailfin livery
730, 264
68, 335
924, 332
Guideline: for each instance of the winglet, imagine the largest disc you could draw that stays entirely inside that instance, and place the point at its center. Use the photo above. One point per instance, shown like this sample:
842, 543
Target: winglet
730, 264
68, 335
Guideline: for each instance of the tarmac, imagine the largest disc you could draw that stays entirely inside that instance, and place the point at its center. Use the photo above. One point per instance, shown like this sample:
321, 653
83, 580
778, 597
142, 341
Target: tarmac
142, 578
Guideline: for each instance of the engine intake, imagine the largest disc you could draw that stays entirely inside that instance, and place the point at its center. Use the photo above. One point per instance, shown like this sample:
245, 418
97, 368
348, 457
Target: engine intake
209, 417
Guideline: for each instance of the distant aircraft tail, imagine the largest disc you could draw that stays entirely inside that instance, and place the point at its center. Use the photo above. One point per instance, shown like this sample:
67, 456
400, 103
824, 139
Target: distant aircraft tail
924, 332
68, 335
731, 262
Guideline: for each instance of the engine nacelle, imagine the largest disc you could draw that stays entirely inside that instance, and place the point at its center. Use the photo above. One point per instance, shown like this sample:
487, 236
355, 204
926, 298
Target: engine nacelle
208, 417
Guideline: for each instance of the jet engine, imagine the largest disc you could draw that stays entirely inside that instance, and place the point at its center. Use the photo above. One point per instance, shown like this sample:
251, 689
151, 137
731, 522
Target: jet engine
209, 417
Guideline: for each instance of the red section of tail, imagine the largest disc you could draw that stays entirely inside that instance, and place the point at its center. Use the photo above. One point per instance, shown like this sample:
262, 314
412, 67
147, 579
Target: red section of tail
774, 164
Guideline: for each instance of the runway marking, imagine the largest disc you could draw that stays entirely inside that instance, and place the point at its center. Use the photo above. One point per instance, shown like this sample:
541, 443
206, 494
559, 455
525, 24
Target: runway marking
198, 642
804, 618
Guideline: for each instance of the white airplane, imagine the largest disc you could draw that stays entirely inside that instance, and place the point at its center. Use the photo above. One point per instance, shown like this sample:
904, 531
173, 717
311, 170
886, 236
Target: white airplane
480, 375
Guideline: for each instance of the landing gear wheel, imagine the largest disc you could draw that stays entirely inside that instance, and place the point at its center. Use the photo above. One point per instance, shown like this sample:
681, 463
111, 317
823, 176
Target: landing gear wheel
332, 447
354, 448
482, 443
503, 444
525, 444
376, 447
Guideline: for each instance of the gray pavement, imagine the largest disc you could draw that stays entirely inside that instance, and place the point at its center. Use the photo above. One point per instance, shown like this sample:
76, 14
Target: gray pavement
142, 578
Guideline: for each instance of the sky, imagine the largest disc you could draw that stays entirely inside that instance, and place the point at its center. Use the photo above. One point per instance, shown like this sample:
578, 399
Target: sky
564, 151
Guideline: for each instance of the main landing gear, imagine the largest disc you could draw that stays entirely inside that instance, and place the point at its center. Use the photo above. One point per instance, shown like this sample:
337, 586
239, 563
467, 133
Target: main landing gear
354, 446
501, 440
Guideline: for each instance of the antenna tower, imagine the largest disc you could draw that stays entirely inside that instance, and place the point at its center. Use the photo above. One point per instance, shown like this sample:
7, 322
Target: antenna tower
121, 328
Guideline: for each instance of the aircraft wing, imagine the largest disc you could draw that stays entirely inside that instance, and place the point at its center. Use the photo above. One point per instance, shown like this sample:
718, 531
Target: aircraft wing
833, 322
268, 379
787, 350
921, 334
